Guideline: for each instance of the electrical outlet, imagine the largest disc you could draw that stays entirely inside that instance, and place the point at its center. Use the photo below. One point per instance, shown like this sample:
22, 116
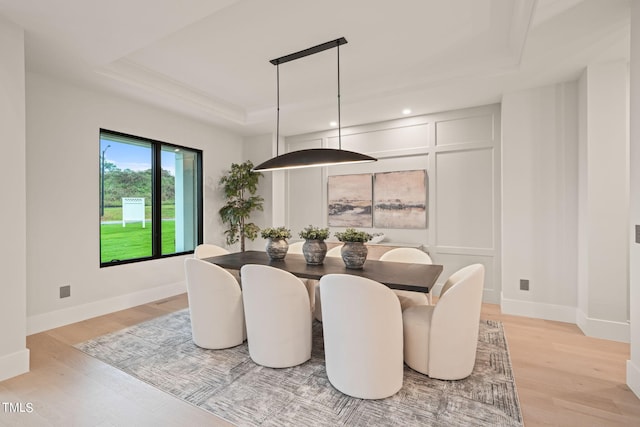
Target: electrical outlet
524, 284
65, 291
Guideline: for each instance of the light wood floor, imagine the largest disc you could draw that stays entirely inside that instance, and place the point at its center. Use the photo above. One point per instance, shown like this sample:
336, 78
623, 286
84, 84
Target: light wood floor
563, 378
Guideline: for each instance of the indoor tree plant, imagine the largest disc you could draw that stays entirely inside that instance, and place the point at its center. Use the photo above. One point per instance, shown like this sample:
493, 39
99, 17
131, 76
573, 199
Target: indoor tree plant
240, 185
277, 244
314, 248
354, 252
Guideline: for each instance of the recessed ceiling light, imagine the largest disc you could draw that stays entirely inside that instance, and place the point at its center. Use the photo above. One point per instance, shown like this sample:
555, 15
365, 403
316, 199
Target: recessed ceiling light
406, 111
333, 124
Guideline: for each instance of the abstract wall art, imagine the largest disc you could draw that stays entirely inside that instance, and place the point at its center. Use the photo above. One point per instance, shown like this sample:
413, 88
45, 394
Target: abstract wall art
400, 199
350, 200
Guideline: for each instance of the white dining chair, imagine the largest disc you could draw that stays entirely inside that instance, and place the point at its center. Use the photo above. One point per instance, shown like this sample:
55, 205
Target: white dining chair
362, 326
441, 340
207, 250
334, 252
215, 305
310, 284
277, 314
409, 255
295, 247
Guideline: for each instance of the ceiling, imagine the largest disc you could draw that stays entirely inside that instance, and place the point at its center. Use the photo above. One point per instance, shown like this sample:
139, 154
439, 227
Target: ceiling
209, 59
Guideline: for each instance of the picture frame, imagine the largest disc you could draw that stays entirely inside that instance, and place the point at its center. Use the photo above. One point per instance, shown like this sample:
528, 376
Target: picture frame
400, 199
349, 200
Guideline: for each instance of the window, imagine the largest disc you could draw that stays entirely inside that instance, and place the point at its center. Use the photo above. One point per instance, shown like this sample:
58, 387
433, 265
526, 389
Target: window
150, 199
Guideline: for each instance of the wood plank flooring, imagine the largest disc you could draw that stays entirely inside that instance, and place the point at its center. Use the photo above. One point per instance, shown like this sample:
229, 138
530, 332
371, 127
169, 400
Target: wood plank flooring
563, 378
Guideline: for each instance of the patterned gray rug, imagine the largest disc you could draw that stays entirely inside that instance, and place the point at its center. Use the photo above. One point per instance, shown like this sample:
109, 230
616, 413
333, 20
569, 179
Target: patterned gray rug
228, 384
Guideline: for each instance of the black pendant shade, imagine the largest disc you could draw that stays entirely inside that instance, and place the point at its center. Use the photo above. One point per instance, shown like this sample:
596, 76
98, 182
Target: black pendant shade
313, 157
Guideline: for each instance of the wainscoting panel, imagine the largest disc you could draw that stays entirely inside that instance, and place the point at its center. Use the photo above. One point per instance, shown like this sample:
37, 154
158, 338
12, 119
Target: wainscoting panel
465, 198
460, 150
465, 130
375, 141
303, 210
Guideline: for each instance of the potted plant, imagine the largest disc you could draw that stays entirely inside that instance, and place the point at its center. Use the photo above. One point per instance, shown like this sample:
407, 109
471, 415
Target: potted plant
277, 244
314, 248
240, 185
354, 252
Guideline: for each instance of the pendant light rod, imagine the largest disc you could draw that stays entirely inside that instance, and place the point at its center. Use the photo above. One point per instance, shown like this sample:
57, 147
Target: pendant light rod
339, 126
309, 51
278, 109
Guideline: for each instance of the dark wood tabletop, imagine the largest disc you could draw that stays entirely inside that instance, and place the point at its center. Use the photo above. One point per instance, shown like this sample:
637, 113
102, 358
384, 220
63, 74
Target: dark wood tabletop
404, 276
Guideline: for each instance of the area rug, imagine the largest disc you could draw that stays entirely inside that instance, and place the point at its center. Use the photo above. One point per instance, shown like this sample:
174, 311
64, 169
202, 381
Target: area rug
230, 385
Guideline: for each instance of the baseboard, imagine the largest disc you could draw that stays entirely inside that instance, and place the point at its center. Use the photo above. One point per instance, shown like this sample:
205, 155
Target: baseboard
633, 377
14, 364
55, 319
559, 313
605, 329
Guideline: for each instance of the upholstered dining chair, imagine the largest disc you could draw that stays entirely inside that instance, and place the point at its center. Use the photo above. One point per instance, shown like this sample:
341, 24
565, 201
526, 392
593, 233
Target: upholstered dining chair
441, 340
335, 251
317, 301
362, 325
296, 248
215, 305
276, 306
207, 250
410, 255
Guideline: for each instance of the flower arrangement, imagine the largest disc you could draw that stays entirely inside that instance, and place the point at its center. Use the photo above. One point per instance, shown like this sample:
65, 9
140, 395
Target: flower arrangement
314, 233
353, 235
276, 233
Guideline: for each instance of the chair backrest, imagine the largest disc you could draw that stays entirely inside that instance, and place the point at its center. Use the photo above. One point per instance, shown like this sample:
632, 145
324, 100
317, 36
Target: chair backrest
278, 316
453, 337
207, 250
215, 304
410, 255
295, 247
335, 251
455, 278
363, 341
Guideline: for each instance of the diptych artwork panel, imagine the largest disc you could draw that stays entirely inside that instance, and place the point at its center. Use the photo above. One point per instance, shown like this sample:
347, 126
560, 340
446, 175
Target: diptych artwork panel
384, 200
350, 200
400, 199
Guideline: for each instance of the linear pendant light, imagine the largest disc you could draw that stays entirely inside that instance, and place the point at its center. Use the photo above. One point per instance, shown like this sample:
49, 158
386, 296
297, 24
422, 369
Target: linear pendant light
312, 157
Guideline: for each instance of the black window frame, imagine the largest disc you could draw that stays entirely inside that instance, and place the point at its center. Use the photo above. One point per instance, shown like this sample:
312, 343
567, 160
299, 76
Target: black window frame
156, 209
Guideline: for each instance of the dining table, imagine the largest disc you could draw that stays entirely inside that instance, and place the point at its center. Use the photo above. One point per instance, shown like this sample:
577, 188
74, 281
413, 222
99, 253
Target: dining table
395, 275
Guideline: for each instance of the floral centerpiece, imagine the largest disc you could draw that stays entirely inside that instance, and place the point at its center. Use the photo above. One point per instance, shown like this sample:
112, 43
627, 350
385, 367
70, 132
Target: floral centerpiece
354, 252
277, 245
276, 233
314, 233
353, 235
314, 248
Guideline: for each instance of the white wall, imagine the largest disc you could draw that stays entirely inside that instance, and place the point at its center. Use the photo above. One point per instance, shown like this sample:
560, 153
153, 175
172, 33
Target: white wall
633, 365
603, 303
565, 202
539, 202
63, 200
460, 151
14, 356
